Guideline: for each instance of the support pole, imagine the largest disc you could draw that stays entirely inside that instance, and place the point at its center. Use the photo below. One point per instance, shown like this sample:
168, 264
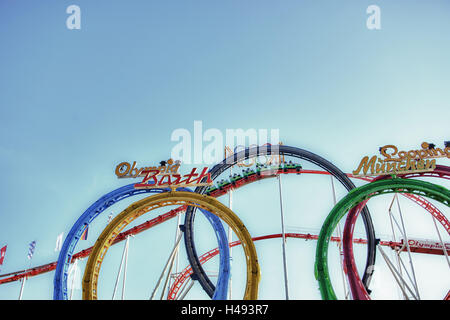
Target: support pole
73, 272
230, 237
440, 239
169, 272
177, 255
341, 253
124, 254
286, 288
127, 245
230, 231
397, 276
23, 281
397, 253
183, 288
409, 250
172, 254
186, 291
177, 233
21, 287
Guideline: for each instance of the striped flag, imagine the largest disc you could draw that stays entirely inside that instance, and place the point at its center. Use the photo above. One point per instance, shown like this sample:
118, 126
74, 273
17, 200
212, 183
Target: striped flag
31, 249
84, 236
2, 254
59, 241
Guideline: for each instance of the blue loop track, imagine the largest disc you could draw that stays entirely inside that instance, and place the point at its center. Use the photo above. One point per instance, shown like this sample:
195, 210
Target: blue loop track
106, 201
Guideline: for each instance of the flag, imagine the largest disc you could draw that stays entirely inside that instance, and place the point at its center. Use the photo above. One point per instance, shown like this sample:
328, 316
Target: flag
2, 254
59, 241
84, 236
74, 276
31, 249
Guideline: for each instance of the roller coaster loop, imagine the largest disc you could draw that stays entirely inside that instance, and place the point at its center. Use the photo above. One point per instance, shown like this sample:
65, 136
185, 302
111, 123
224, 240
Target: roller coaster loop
194, 261
356, 287
140, 207
68, 247
352, 199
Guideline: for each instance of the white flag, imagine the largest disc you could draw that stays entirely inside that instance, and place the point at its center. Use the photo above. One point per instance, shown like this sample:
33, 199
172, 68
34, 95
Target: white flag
59, 242
74, 276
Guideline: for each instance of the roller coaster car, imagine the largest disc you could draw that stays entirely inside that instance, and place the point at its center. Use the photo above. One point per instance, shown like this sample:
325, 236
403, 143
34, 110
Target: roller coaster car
270, 170
235, 177
259, 167
246, 173
223, 183
211, 189
283, 167
290, 165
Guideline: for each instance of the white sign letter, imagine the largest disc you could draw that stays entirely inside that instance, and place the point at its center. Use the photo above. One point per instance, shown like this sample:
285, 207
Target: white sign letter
374, 20
74, 20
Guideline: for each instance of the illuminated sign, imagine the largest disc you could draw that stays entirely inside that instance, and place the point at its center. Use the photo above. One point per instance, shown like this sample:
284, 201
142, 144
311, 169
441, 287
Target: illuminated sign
158, 179
164, 176
427, 244
127, 170
401, 162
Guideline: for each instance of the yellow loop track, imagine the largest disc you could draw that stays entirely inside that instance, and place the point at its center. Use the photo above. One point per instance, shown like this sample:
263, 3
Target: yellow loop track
135, 210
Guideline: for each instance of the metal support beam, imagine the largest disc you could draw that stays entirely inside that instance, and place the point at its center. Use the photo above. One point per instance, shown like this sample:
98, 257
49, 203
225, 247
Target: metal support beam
171, 257
341, 253
123, 262
286, 287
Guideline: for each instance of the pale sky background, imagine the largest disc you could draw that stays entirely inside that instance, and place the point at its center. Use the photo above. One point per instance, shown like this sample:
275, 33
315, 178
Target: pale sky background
75, 103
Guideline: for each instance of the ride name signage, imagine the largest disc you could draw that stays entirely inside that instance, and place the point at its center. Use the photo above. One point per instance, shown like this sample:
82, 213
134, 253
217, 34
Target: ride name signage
401, 162
164, 176
127, 170
427, 244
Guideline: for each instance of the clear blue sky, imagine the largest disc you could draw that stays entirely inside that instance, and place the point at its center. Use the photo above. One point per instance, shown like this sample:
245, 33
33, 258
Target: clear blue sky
74, 103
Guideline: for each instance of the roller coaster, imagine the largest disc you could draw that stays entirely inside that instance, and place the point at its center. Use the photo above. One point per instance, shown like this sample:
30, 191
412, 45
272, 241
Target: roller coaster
426, 195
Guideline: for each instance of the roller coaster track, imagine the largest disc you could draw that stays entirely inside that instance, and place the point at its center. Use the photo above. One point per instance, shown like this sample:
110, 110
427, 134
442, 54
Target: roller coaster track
15, 276
352, 199
109, 199
358, 290
280, 150
135, 210
187, 272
